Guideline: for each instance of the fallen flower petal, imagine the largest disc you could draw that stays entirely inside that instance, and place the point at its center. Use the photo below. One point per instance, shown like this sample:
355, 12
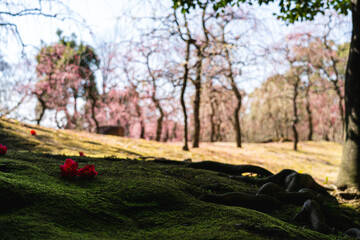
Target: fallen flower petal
3, 149
88, 171
69, 169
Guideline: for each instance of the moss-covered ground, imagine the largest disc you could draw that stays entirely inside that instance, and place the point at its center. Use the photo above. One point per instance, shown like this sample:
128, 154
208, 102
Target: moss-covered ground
135, 199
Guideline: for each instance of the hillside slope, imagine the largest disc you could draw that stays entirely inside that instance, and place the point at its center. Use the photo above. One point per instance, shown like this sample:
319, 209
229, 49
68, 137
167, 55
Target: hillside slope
132, 199
320, 159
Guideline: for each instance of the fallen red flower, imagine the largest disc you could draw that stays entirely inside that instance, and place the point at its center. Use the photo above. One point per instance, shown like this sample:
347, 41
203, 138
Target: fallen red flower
69, 169
33, 132
81, 154
87, 171
3, 149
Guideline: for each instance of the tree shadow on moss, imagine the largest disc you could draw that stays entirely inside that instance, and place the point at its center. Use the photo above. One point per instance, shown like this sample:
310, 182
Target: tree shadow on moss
15, 142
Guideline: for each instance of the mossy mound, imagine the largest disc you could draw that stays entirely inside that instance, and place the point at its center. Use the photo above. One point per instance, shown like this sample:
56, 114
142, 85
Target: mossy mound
129, 199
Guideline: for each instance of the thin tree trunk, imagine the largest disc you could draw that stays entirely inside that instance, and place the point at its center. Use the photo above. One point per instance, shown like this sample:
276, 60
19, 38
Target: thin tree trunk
295, 115
325, 136
349, 174
236, 122
142, 130
93, 97
309, 115
93, 114
74, 117
182, 96
142, 123
155, 101
197, 99
200, 56
276, 123
159, 122
43, 108
341, 109
166, 137
173, 132
212, 121
325, 132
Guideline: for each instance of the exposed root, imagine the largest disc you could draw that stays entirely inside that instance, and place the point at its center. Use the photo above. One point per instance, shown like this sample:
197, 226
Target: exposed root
285, 187
353, 232
312, 213
259, 202
297, 198
289, 179
230, 169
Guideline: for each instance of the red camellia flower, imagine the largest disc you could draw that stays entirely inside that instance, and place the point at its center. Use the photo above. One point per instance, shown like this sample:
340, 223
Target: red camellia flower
81, 154
69, 169
3, 149
87, 171
33, 132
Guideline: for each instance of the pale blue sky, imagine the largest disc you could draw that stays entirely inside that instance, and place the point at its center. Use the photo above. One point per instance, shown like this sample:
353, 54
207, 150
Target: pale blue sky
102, 17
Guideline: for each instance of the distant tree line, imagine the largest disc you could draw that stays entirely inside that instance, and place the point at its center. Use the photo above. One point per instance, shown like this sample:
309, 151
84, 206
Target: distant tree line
186, 79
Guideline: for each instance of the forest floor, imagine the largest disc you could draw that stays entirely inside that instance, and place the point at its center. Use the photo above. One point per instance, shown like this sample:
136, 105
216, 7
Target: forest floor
135, 199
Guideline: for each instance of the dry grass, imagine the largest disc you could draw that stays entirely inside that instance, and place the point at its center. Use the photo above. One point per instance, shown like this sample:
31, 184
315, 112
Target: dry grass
320, 159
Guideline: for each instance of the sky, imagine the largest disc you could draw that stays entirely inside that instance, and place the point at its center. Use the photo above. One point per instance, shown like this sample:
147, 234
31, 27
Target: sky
89, 18
94, 21
100, 18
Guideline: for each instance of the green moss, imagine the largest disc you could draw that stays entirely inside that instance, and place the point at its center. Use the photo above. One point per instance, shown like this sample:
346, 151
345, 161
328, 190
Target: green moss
129, 199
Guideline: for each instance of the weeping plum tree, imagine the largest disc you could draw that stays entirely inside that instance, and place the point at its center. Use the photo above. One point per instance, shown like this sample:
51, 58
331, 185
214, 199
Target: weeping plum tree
299, 10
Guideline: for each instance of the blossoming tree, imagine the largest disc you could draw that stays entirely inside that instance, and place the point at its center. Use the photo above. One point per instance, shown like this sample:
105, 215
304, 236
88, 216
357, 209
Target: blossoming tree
66, 74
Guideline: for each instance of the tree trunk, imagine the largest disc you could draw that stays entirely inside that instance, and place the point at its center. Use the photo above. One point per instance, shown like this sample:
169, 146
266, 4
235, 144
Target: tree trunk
43, 108
212, 121
237, 126
197, 99
349, 173
166, 137
218, 136
325, 131
276, 123
237, 94
325, 136
309, 115
341, 109
159, 122
93, 98
182, 97
156, 101
142, 132
295, 115
173, 132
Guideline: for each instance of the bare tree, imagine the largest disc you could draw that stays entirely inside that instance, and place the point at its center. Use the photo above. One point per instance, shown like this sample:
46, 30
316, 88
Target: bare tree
41, 8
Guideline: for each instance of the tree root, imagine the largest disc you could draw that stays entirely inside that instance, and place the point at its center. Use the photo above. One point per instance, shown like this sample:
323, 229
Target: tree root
287, 178
312, 213
230, 169
297, 198
353, 232
263, 203
285, 187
